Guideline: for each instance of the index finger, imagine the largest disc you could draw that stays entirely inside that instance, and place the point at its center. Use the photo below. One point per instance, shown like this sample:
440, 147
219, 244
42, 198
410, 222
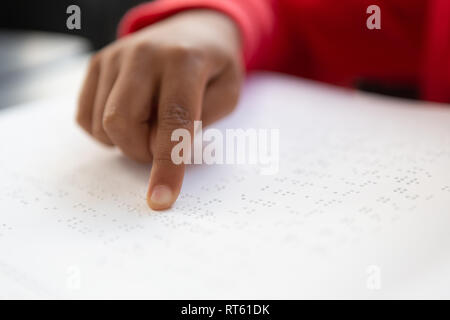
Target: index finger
181, 97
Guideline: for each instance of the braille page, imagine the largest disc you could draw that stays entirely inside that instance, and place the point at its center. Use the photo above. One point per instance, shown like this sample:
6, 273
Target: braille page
359, 208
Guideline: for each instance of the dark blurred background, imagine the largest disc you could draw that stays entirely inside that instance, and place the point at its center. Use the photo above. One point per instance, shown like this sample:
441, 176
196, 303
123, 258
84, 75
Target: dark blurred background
40, 56
99, 17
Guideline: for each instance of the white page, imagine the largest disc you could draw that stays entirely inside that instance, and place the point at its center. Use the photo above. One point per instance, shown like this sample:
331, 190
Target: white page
360, 207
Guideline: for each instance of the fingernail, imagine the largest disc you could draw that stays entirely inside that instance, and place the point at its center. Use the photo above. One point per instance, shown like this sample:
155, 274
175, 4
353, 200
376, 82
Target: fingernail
161, 197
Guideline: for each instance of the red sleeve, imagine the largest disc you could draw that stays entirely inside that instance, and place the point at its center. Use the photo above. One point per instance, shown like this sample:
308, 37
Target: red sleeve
262, 36
328, 41
436, 74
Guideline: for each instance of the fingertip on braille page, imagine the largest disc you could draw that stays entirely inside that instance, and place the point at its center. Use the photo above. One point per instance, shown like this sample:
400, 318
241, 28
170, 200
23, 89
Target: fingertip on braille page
160, 197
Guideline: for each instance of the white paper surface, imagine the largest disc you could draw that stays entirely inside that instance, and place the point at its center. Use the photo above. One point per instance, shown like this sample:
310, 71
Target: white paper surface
360, 207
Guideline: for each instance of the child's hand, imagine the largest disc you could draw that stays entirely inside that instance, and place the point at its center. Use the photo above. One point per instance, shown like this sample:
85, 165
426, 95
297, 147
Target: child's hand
142, 87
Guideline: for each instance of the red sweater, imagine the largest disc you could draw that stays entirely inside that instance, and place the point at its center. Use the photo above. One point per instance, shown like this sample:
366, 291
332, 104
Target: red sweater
328, 40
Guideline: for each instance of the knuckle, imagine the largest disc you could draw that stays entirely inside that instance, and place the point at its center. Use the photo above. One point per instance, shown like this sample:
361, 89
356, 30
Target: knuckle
113, 121
186, 54
95, 61
164, 159
141, 48
138, 57
101, 136
138, 52
175, 116
97, 132
111, 56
